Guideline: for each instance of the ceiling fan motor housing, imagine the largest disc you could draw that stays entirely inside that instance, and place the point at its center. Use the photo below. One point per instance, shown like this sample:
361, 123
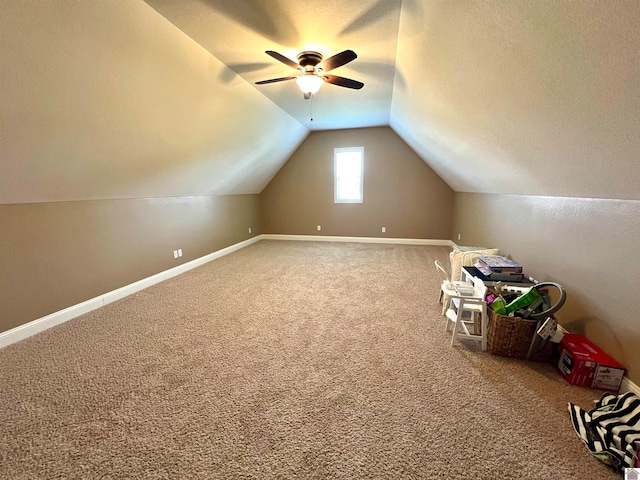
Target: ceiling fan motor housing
309, 60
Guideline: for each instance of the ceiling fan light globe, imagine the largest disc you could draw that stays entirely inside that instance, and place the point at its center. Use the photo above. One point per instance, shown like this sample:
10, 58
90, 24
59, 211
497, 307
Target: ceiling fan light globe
309, 83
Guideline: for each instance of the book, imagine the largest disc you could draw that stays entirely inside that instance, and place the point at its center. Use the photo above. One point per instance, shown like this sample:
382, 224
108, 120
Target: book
498, 264
506, 277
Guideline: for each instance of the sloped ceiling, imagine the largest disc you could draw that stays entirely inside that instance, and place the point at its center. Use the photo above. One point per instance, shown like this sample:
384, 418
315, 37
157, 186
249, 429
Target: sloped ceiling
239, 32
517, 97
106, 100
524, 97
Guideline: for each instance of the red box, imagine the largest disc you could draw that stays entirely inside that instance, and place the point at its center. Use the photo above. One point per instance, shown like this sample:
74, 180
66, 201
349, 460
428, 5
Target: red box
585, 364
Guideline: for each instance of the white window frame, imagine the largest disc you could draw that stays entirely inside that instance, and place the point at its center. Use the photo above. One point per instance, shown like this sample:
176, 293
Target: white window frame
336, 151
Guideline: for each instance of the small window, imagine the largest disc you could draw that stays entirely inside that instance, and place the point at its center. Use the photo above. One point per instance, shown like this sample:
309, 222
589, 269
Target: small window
348, 174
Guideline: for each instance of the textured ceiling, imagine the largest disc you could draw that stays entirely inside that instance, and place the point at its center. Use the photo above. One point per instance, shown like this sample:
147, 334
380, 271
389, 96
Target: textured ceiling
517, 97
524, 97
133, 99
108, 100
239, 32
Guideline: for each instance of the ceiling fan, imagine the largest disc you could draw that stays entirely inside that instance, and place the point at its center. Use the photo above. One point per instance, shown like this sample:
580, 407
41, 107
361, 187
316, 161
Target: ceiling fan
312, 68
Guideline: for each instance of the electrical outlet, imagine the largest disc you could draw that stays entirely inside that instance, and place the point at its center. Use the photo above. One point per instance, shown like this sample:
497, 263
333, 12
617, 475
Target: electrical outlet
179, 252
384, 229
175, 254
459, 235
249, 229
319, 227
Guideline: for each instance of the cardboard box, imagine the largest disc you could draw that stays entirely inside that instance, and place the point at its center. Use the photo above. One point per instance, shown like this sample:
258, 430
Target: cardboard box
575, 364
585, 364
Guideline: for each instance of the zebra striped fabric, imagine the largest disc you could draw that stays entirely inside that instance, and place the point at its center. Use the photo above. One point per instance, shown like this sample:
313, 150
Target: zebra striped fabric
611, 431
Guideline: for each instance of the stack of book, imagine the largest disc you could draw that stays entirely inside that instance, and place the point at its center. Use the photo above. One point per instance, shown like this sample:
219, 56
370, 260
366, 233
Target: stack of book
499, 268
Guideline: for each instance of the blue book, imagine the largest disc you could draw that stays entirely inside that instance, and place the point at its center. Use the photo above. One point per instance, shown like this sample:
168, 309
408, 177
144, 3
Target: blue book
499, 264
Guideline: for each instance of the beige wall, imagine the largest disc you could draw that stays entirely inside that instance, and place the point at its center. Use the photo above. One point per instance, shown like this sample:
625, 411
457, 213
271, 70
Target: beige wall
54, 255
587, 245
401, 192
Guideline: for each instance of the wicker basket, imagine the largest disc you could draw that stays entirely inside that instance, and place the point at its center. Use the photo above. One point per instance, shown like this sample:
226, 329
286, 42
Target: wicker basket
511, 337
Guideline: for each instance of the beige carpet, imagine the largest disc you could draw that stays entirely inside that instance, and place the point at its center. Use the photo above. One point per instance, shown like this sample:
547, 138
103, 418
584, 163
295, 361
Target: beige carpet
283, 360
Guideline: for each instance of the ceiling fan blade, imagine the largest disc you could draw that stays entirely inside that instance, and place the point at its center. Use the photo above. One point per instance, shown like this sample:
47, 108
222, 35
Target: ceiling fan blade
283, 59
343, 82
338, 60
274, 80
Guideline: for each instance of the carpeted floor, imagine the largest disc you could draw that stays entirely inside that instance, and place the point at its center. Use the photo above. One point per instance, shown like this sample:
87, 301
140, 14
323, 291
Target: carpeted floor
284, 360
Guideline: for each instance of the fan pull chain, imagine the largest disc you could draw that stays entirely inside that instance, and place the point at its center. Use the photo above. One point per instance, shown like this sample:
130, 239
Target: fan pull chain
310, 110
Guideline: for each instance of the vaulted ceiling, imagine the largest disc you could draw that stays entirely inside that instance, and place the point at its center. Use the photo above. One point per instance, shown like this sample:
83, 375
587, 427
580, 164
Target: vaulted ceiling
239, 32
131, 99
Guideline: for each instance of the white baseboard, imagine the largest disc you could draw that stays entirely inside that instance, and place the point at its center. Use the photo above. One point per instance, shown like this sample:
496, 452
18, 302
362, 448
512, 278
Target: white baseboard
629, 386
41, 324
44, 323
172, 272
330, 238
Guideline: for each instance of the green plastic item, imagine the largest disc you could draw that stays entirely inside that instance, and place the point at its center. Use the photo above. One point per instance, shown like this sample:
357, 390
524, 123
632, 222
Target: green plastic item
499, 306
527, 298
